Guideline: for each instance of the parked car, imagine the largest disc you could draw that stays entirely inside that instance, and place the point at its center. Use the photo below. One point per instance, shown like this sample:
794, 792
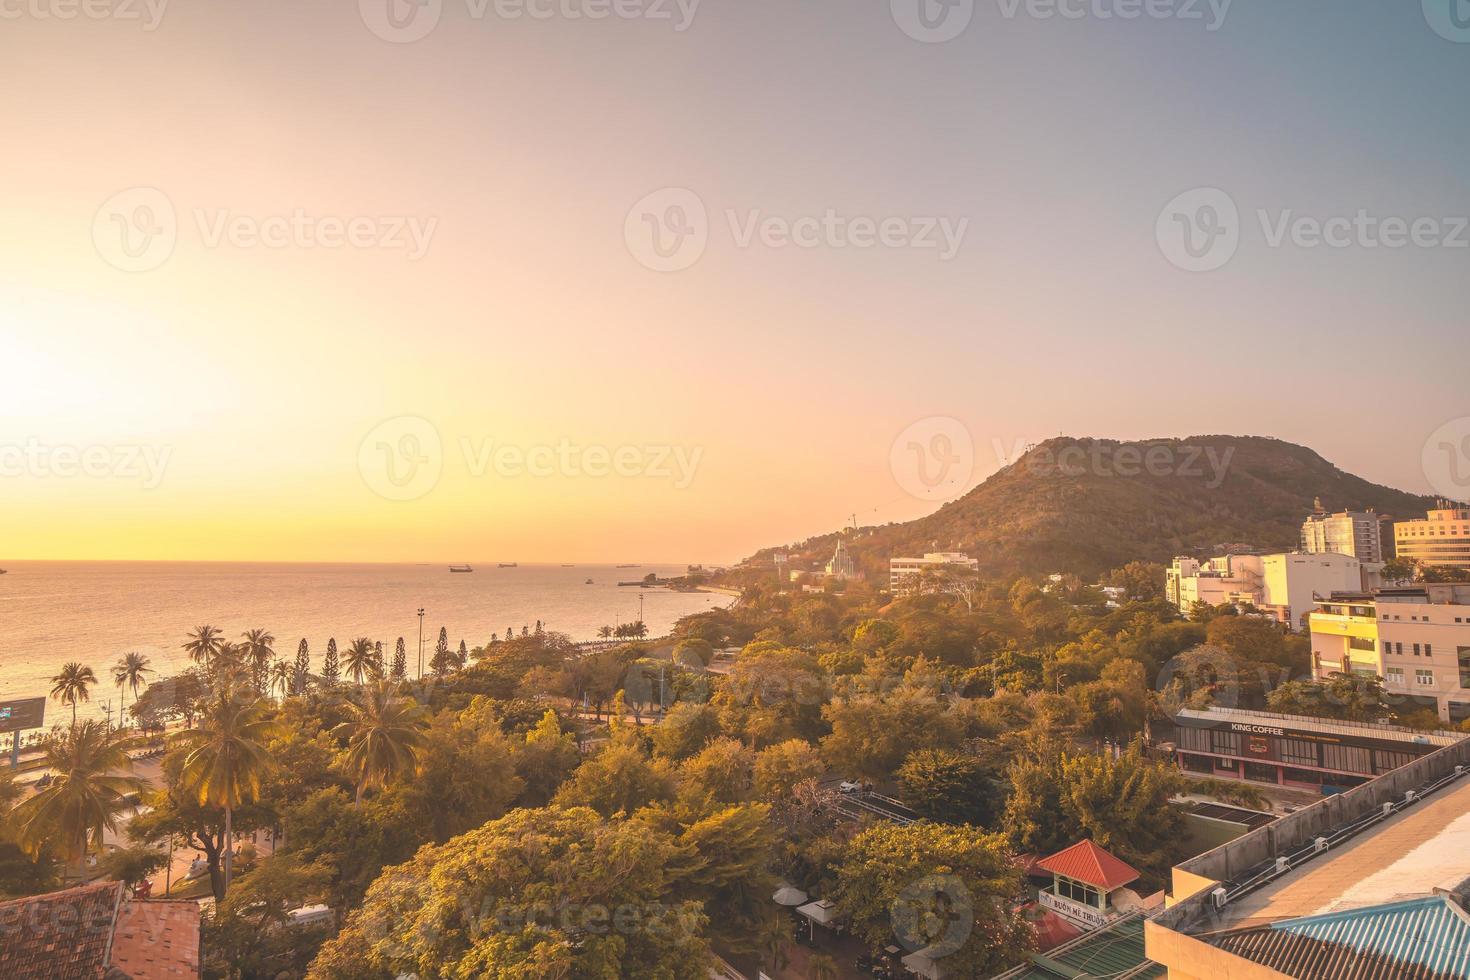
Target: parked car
310, 915
847, 786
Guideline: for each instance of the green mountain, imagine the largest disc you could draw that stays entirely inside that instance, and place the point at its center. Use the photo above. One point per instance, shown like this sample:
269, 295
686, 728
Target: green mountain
1089, 505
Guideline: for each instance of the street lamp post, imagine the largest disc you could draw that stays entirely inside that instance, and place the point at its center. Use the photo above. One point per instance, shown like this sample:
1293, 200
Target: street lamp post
421, 644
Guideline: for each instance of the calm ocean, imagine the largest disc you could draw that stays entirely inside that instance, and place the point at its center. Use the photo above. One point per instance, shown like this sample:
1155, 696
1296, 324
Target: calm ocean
93, 612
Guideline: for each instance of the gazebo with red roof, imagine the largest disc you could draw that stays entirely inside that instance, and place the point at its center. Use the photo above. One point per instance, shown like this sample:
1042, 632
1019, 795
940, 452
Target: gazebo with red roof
1084, 879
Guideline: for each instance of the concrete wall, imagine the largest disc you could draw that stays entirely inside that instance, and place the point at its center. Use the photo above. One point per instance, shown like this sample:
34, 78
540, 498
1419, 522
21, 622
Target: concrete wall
1195, 878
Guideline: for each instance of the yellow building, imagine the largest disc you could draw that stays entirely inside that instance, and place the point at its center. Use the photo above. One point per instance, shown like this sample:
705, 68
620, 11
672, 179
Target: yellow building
1442, 538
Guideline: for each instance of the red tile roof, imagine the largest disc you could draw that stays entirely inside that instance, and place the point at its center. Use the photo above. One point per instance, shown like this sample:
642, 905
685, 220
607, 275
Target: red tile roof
61, 934
157, 940
1051, 929
1085, 861
92, 931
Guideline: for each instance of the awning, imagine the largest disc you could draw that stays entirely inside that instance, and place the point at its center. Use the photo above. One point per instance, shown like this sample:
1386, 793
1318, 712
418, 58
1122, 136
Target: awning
923, 965
823, 912
789, 896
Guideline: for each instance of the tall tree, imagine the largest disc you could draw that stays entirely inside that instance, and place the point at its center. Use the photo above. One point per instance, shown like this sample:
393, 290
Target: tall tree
280, 677
384, 735
360, 662
462, 657
204, 644
127, 674
441, 662
945, 889
85, 795
229, 756
400, 661
331, 671
256, 652
302, 668
73, 684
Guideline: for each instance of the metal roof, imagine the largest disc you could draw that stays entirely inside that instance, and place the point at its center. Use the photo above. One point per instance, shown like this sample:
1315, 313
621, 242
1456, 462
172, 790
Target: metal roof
1305, 723
1114, 951
1085, 861
1420, 939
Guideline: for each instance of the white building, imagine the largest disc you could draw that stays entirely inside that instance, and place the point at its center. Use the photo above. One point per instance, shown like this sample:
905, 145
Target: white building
841, 565
1284, 586
903, 571
1442, 538
1358, 533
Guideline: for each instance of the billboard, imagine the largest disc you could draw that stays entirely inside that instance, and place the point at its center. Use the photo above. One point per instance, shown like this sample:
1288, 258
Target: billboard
22, 714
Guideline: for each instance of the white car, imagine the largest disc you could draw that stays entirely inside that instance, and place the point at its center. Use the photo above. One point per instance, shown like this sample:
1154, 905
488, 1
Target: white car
310, 915
847, 786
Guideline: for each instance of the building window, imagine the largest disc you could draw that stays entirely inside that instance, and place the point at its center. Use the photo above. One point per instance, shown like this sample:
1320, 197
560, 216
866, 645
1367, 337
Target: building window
1360, 643
1400, 648
1225, 743
1395, 675
1429, 649
1416, 649
1078, 892
1386, 759
1298, 752
1464, 666
1424, 678
1347, 758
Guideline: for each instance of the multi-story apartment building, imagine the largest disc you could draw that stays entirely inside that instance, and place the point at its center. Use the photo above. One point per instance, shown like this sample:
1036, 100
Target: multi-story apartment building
1417, 638
1442, 538
1285, 586
903, 573
1358, 533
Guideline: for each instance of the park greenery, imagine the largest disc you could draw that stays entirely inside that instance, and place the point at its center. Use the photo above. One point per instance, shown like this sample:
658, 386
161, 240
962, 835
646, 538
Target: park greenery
533, 807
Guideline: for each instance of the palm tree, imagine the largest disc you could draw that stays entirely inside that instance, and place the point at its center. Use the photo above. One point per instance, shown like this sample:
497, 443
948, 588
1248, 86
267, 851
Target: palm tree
257, 652
84, 798
204, 644
128, 673
71, 686
229, 756
384, 735
361, 661
280, 677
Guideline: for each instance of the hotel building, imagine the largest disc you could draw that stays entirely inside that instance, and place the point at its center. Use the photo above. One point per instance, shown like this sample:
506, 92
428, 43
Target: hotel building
1358, 533
1442, 538
1417, 638
903, 573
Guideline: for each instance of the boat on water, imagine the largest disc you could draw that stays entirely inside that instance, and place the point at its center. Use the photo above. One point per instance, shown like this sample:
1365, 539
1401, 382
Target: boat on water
460, 568
589, 581
509, 564
630, 566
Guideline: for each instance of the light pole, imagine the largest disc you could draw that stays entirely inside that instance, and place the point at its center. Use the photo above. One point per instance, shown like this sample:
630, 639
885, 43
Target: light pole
421, 644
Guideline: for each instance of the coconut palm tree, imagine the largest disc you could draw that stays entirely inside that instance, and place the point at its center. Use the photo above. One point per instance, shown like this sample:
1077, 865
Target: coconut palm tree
384, 735
229, 755
280, 677
204, 644
72, 685
361, 661
128, 673
257, 652
84, 797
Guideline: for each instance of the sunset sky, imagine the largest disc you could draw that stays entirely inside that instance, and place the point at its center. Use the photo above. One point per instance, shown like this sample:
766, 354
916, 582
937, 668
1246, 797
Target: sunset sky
254, 373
